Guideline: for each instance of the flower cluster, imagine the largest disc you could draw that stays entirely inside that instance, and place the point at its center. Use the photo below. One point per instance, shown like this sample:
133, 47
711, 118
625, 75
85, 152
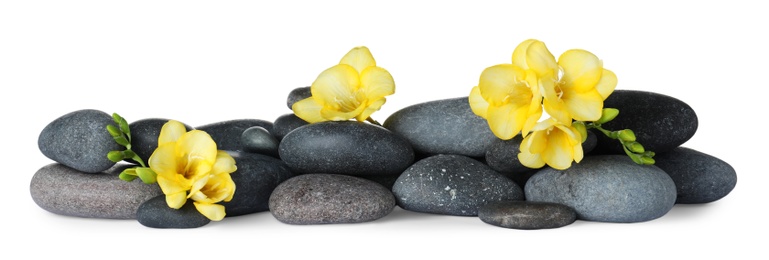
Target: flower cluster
354, 88
571, 90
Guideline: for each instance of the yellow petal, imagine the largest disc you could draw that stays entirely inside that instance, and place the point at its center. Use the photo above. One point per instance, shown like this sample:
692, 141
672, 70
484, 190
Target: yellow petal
507, 120
581, 70
578, 153
173, 185
197, 147
533, 161
477, 103
308, 110
376, 83
214, 212
176, 200
519, 54
335, 114
198, 184
558, 154
359, 58
498, 83
531, 121
370, 109
224, 164
163, 159
539, 59
336, 86
558, 111
170, 132
586, 106
607, 83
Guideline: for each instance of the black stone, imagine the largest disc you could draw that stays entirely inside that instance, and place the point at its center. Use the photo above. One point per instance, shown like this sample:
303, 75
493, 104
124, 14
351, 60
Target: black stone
79, 140
285, 124
296, 95
155, 213
256, 139
255, 179
699, 177
227, 134
526, 215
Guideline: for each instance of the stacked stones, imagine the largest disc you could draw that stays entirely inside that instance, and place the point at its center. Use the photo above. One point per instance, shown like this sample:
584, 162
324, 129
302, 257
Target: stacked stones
435, 157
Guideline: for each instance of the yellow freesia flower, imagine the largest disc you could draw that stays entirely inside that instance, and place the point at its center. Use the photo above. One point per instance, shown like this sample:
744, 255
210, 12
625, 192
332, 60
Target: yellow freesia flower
553, 143
355, 88
189, 162
574, 87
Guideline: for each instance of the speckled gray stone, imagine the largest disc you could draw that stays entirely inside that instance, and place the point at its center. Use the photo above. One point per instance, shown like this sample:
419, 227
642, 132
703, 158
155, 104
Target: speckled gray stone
227, 134
297, 94
699, 177
445, 126
256, 139
144, 136
526, 215
452, 185
155, 213
66, 191
255, 179
285, 124
606, 188
330, 199
349, 147
79, 140
660, 122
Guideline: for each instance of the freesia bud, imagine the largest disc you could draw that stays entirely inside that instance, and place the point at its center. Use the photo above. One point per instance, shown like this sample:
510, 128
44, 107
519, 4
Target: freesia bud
607, 115
627, 135
115, 156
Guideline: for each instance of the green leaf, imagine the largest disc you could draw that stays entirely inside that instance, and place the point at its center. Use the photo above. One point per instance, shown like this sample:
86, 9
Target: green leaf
114, 131
607, 115
147, 175
115, 156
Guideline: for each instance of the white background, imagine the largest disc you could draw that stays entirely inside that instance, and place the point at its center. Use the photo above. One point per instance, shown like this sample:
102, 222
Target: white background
203, 62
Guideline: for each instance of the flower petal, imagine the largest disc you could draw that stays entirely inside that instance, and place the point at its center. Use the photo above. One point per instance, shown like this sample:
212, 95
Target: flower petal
173, 185
498, 83
586, 106
163, 160
558, 111
214, 212
558, 154
376, 83
578, 153
197, 147
170, 132
335, 114
507, 120
370, 109
519, 54
477, 103
336, 86
581, 70
533, 161
308, 109
539, 59
359, 58
224, 164
176, 200
607, 83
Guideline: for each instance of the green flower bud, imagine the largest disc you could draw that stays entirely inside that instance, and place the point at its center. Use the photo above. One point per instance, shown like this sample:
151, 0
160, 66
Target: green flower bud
607, 115
647, 160
580, 126
128, 174
649, 154
636, 158
626, 135
121, 140
635, 147
147, 175
114, 131
115, 156
128, 154
121, 122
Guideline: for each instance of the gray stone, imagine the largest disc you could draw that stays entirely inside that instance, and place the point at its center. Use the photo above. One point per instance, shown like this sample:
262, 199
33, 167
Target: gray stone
79, 140
349, 147
452, 185
155, 213
442, 127
699, 177
330, 199
144, 136
65, 191
296, 95
256, 139
285, 124
660, 122
227, 134
526, 214
606, 188
255, 179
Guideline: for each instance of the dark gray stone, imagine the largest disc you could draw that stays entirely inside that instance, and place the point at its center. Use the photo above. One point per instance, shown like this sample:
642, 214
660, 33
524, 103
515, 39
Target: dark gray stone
144, 136
296, 95
526, 214
349, 147
79, 140
660, 122
606, 188
285, 124
442, 127
65, 191
155, 213
330, 199
699, 177
227, 134
255, 179
256, 139
452, 185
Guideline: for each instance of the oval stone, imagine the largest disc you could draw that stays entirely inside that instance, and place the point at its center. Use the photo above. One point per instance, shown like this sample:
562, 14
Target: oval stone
526, 214
446, 126
256, 139
660, 122
255, 179
699, 177
296, 95
79, 140
155, 213
227, 134
330, 199
452, 185
606, 188
350, 148
144, 136
285, 124
65, 191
